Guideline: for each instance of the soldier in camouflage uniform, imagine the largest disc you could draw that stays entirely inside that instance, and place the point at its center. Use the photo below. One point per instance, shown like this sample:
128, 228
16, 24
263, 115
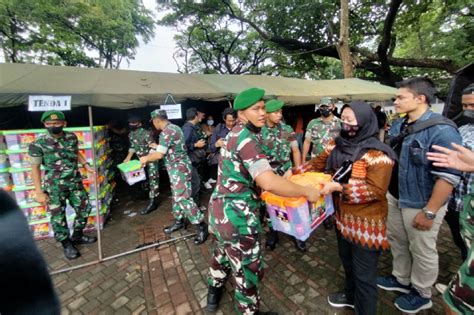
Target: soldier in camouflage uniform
322, 130
141, 142
171, 149
279, 145
235, 203
58, 152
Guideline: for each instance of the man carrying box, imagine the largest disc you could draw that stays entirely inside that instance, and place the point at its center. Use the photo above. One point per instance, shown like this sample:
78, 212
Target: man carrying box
171, 148
141, 142
279, 145
235, 204
58, 152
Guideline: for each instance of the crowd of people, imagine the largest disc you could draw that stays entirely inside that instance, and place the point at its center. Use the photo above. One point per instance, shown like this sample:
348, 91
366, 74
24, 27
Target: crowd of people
387, 196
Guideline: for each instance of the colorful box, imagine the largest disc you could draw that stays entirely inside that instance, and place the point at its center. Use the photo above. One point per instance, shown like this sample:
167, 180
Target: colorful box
132, 172
4, 163
297, 216
5, 178
22, 176
19, 158
24, 194
21, 139
35, 212
41, 230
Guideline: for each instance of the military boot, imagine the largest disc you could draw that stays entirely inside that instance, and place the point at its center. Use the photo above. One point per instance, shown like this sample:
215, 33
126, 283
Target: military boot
69, 250
201, 233
152, 205
266, 313
300, 245
177, 225
213, 298
79, 238
272, 239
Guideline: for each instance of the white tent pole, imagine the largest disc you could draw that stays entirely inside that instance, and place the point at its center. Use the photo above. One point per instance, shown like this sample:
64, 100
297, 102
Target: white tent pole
97, 210
136, 250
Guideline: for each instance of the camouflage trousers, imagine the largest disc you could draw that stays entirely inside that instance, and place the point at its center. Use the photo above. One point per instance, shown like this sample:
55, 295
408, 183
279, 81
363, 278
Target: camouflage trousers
183, 204
243, 258
78, 200
153, 170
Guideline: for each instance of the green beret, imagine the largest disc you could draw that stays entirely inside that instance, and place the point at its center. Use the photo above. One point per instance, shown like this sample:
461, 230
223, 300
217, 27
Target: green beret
273, 105
247, 98
52, 115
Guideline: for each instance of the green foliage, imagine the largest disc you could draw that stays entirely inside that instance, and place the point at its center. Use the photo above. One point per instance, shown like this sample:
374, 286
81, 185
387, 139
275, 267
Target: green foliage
93, 33
431, 37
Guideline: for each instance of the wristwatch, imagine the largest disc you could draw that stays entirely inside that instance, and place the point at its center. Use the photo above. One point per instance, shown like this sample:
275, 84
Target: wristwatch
429, 214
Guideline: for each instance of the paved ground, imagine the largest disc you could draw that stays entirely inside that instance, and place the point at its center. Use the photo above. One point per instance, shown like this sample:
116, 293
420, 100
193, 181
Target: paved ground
172, 278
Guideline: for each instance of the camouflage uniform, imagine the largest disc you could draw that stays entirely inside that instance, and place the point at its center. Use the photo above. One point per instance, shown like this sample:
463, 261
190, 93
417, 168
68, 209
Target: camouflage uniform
140, 141
61, 180
276, 144
321, 133
460, 293
234, 217
178, 165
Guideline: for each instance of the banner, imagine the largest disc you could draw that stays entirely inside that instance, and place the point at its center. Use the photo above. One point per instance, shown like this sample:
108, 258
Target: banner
42, 103
173, 111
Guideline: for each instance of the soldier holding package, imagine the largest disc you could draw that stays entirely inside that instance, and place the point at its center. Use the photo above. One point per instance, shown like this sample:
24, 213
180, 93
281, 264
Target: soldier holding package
141, 142
172, 150
58, 152
235, 203
279, 145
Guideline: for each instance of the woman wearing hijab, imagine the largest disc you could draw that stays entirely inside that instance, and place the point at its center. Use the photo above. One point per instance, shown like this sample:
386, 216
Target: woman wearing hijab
360, 202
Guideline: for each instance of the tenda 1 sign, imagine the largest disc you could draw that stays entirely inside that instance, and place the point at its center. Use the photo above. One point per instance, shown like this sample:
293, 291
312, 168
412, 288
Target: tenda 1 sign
41, 103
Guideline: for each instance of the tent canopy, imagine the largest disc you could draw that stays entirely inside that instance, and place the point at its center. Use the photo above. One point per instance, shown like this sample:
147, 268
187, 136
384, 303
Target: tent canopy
128, 89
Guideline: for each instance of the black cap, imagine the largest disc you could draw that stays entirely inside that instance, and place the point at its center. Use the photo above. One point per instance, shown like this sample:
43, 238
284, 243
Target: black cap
134, 119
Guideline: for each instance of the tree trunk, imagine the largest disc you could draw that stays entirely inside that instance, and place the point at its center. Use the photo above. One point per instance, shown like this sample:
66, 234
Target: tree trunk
344, 48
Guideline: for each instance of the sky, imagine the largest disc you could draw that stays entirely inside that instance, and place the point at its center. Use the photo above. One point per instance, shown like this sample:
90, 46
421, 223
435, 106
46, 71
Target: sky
157, 55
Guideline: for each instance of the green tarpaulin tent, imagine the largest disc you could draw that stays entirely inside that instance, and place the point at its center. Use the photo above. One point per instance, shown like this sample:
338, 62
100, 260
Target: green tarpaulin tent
128, 89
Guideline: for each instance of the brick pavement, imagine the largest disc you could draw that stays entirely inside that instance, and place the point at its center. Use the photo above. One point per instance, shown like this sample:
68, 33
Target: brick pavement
172, 278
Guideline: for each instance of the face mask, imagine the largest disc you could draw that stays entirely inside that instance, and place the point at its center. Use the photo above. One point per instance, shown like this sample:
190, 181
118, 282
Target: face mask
349, 131
210, 122
325, 112
133, 127
252, 127
54, 130
468, 114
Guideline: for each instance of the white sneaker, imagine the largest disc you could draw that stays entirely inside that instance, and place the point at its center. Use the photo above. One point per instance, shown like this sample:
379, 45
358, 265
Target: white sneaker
212, 181
207, 185
202, 208
441, 287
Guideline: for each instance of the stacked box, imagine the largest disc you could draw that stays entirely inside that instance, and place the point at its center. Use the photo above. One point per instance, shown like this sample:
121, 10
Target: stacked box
15, 174
297, 216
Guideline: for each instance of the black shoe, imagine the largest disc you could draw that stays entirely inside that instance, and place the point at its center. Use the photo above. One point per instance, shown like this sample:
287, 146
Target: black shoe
152, 205
79, 238
339, 300
213, 298
328, 223
266, 313
272, 239
300, 245
201, 233
69, 250
177, 225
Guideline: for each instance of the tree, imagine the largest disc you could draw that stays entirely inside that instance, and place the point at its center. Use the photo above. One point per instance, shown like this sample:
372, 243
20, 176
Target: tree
380, 37
99, 33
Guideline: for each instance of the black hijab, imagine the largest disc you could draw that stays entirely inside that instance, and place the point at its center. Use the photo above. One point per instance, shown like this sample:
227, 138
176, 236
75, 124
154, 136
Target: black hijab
354, 148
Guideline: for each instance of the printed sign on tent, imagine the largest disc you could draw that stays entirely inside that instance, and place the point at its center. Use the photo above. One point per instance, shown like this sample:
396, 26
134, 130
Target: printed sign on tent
42, 103
173, 111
